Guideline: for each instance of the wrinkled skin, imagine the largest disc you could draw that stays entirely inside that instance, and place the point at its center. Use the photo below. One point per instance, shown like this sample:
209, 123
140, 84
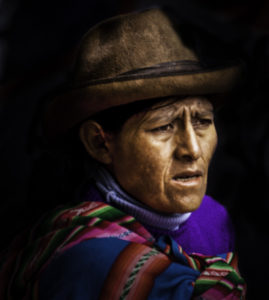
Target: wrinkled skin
161, 157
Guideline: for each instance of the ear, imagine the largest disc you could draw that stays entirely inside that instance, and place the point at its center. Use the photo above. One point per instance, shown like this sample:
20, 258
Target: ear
95, 141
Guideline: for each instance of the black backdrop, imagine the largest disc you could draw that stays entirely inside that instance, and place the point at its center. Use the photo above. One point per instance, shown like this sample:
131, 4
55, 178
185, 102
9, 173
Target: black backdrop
37, 42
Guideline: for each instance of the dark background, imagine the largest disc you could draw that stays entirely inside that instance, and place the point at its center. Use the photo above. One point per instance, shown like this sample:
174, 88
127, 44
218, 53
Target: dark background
37, 43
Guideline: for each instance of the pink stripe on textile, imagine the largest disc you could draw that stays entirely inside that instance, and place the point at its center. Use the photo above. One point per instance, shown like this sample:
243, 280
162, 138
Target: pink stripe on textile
214, 259
232, 296
139, 230
229, 257
87, 208
112, 230
83, 209
212, 294
64, 213
92, 221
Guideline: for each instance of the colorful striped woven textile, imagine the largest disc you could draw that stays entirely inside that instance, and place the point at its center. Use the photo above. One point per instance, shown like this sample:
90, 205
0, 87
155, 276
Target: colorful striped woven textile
121, 259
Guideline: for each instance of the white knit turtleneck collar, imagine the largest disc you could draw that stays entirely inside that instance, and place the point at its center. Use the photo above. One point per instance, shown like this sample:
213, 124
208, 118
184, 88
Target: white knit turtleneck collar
115, 196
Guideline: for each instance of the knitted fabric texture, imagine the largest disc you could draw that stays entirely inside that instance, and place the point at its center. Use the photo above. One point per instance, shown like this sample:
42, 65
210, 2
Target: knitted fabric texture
115, 196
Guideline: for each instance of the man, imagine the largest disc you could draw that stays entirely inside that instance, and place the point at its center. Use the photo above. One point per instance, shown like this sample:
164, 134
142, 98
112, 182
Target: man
142, 104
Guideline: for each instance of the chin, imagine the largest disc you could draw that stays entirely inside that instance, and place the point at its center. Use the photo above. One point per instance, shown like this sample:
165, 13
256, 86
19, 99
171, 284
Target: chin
186, 204
174, 202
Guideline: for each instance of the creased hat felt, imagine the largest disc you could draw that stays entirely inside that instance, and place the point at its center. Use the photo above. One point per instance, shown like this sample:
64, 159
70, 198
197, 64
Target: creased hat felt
133, 57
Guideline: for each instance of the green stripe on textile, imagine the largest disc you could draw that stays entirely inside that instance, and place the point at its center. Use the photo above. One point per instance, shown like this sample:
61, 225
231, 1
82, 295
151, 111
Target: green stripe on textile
228, 284
202, 285
51, 218
192, 263
108, 213
143, 259
127, 222
231, 281
221, 266
73, 234
234, 277
47, 222
81, 220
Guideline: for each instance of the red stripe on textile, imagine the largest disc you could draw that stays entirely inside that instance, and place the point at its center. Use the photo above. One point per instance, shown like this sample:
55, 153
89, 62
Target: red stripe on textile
80, 210
121, 269
104, 229
219, 292
233, 261
139, 229
144, 281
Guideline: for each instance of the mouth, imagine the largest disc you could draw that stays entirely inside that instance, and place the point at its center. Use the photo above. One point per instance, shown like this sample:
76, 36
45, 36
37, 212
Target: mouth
188, 177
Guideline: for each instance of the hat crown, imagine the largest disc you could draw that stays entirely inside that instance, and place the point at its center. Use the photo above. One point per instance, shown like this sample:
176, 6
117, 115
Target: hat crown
129, 42
131, 58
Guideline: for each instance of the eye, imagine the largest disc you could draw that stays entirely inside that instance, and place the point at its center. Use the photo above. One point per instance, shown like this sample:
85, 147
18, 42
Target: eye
201, 122
163, 129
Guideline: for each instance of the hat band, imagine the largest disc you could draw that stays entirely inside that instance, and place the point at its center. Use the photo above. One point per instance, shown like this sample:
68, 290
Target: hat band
159, 70
173, 68
164, 68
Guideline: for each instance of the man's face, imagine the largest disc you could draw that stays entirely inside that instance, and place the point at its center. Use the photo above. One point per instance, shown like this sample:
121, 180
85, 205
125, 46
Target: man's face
161, 158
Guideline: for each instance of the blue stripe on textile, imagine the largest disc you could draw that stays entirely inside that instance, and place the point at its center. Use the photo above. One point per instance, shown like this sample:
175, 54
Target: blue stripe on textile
79, 272
223, 255
175, 283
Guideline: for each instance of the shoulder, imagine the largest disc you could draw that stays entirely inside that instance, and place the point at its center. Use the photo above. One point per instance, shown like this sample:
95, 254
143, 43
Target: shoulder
212, 226
211, 210
62, 241
214, 215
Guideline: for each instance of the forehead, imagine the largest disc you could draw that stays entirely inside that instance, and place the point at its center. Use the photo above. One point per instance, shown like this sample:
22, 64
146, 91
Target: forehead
175, 107
174, 104
169, 109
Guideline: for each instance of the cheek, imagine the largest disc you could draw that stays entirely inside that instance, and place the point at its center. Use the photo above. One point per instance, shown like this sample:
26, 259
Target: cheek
148, 162
143, 167
209, 145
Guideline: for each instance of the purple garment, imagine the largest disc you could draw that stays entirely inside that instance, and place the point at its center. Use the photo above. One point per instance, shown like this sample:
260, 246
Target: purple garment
208, 230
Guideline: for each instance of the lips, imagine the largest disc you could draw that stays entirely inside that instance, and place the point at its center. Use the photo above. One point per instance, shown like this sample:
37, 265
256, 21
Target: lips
188, 175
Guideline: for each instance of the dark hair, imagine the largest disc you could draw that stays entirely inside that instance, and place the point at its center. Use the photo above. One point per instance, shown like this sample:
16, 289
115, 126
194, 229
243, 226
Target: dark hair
112, 119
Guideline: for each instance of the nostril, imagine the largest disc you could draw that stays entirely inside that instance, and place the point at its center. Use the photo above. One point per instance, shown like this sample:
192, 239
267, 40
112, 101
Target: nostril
188, 157
188, 152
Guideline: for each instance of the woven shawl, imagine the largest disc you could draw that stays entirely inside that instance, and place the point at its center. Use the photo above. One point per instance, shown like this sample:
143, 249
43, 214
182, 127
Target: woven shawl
155, 267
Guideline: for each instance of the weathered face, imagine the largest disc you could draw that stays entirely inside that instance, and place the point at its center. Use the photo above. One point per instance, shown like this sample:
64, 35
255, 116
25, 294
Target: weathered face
161, 158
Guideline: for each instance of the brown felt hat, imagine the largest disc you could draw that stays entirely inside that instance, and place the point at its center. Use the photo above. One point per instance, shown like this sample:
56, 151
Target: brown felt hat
133, 57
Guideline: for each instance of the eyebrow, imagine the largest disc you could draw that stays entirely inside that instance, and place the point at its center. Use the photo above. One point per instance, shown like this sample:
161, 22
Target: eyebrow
164, 116
204, 113
172, 114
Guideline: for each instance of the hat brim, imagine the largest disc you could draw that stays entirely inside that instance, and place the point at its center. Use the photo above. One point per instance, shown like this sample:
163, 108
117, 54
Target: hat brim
72, 107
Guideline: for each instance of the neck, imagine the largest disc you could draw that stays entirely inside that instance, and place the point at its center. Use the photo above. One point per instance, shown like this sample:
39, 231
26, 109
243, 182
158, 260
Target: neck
116, 196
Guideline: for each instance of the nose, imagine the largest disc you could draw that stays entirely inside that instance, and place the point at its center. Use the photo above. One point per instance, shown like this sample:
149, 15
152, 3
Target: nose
188, 147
